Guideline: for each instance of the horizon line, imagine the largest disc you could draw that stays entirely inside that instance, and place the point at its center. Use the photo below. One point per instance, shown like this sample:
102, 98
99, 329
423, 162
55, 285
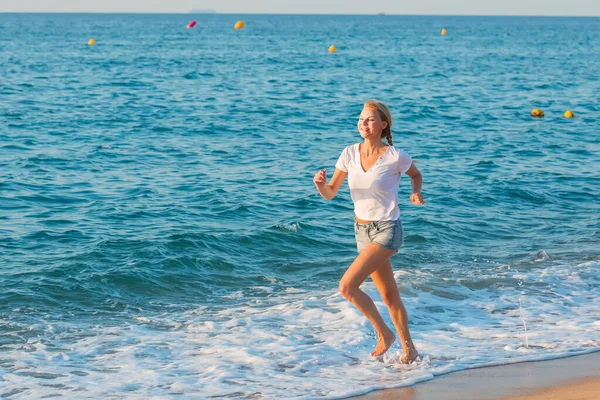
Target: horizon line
381, 14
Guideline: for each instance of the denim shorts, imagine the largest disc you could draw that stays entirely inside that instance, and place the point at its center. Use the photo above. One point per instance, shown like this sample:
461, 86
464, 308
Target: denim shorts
387, 234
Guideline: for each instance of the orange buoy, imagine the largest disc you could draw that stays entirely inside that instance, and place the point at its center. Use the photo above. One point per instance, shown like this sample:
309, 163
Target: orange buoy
444, 32
332, 49
91, 42
239, 25
536, 112
569, 114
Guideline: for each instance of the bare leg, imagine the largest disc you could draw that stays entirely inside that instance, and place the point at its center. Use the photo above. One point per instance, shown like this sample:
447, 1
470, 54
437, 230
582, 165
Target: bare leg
386, 284
371, 258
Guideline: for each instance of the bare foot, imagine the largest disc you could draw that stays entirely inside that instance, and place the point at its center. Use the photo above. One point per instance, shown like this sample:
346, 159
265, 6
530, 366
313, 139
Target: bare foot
383, 344
409, 356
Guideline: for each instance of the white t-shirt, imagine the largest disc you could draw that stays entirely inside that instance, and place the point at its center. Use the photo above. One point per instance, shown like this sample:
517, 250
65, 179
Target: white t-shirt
375, 192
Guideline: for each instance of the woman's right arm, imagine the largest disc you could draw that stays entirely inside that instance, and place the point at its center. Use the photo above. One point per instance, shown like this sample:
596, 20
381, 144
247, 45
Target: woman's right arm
329, 191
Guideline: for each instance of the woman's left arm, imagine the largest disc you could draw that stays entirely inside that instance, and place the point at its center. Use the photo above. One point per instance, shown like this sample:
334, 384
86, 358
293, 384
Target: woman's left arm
416, 180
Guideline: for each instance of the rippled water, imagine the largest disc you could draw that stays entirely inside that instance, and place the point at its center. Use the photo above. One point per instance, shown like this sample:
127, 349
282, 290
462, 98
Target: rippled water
160, 233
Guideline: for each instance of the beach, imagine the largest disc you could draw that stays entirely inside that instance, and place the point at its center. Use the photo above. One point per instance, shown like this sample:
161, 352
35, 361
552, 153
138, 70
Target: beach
161, 235
571, 378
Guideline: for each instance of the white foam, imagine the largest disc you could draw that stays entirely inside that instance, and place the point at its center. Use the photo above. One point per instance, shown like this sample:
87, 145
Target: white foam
291, 227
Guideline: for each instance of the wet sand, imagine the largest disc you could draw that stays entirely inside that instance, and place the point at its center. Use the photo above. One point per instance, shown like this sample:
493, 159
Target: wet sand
571, 378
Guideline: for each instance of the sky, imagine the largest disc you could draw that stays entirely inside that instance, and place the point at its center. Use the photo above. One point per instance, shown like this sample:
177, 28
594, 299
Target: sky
421, 7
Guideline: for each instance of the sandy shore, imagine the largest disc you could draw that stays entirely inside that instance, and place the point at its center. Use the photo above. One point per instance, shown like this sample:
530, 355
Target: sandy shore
585, 389
571, 378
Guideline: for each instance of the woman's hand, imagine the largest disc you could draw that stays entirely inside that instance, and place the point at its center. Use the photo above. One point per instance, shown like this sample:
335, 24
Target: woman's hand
417, 199
320, 177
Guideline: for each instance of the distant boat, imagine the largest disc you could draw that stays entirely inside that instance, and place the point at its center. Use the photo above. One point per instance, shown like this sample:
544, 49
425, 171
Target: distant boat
202, 11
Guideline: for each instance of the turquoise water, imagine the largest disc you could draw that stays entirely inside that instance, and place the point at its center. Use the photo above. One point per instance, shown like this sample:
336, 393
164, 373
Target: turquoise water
161, 236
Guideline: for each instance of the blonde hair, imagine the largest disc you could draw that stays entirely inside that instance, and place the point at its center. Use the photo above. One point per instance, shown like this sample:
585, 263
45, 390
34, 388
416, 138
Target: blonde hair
385, 115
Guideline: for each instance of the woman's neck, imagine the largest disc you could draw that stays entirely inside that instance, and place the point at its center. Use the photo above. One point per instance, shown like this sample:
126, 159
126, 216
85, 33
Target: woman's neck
370, 147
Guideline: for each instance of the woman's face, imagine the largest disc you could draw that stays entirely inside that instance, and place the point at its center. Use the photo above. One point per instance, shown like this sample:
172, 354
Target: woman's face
370, 123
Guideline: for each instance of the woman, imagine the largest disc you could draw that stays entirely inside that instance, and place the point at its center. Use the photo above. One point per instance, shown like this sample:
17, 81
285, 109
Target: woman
374, 169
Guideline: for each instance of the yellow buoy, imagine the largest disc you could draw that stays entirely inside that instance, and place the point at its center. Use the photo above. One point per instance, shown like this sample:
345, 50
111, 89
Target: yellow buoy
91, 42
569, 114
444, 32
332, 49
239, 25
537, 113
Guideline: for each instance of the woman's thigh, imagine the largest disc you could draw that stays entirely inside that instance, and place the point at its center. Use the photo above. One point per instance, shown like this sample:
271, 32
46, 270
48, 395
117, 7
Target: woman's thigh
368, 261
384, 280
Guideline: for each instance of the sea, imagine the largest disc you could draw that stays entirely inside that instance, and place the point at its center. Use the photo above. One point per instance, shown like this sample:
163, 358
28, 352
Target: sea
161, 236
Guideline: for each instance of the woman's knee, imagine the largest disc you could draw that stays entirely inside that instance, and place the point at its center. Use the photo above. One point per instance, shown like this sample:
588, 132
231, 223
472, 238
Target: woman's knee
346, 289
391, 299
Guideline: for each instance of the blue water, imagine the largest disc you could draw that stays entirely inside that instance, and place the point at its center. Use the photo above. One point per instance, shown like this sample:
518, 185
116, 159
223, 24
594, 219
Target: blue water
161, 236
